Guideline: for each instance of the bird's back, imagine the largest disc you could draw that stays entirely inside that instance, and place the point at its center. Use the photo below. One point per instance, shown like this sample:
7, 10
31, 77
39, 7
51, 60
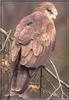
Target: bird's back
34, 39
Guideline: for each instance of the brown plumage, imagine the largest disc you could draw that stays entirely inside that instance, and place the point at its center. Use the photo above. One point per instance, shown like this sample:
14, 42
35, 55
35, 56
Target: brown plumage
35, 35
34, 38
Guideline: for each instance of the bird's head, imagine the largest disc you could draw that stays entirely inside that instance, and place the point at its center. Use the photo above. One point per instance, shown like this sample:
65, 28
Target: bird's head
48, 9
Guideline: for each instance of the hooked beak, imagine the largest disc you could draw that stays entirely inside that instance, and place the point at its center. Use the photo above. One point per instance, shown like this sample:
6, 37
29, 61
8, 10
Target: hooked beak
55, 13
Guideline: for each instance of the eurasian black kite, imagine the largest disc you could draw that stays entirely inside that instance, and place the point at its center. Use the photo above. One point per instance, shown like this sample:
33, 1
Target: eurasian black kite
34, 41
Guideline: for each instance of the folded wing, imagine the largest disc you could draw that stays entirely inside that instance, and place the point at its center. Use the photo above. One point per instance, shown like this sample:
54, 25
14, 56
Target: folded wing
33, 42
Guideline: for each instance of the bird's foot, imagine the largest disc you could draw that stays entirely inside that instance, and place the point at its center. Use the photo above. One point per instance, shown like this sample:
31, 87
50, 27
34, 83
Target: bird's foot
23, 95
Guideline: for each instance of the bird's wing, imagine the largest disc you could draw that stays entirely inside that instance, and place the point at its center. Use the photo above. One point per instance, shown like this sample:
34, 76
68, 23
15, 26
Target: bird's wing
37, 48
29, 39
24, 22
45, 39
22, 28
25, 36
26, 33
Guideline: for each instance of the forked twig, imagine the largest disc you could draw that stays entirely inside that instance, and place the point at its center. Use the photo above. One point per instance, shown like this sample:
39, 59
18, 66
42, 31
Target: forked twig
5, 42
62, 82
5, 33
53, 92
57, 78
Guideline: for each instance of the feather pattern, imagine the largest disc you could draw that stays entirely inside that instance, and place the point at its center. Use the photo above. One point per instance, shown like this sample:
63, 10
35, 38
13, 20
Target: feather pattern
34, 38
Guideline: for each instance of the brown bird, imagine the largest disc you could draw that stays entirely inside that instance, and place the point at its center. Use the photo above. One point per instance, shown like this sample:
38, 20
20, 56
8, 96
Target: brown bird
34, 40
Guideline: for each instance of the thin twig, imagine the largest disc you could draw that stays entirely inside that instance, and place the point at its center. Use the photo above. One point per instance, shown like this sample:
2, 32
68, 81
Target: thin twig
46, 91
5, 33
53, 93
5, 41
62, 82
57, 77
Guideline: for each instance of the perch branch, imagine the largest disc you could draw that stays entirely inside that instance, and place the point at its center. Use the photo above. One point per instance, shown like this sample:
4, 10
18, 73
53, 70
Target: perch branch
62, 82
57, 77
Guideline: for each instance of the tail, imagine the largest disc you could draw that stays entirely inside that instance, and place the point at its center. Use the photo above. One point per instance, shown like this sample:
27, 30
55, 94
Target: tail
15, 64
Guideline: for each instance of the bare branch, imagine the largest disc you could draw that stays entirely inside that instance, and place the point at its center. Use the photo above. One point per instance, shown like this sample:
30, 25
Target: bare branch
62, 82
5, 33
53, 93
57, 77
5, 41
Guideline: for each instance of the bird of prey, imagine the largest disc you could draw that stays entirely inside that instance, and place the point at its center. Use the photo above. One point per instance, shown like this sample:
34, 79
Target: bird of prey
34, 41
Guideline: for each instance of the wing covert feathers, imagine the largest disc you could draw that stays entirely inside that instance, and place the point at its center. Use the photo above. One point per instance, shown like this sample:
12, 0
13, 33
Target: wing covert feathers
34, 38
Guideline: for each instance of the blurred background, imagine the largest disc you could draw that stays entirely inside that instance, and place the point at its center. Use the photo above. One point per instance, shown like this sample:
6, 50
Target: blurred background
12, 12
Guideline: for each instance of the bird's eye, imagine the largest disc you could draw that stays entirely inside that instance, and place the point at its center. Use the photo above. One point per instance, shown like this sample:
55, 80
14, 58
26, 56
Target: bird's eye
49, 11
29, 23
